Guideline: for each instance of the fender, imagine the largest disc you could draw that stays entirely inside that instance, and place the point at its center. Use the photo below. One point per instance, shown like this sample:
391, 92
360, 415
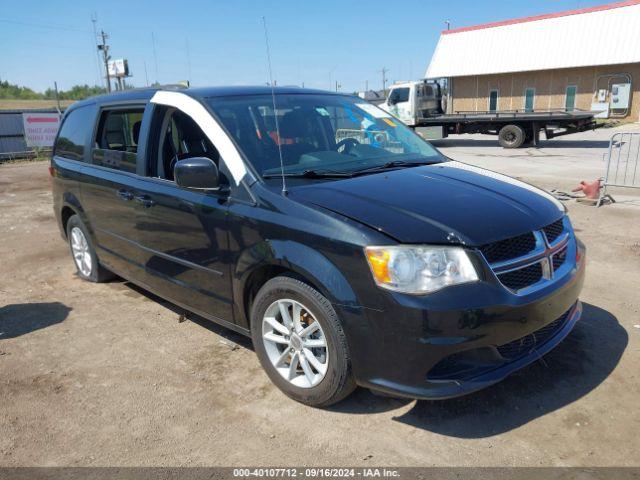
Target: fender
65, 193
298, 258
71, 201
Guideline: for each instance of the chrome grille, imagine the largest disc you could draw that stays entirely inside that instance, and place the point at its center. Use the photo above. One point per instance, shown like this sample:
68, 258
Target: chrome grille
526, 260
554, 230
521, 278
510, 248
559, 258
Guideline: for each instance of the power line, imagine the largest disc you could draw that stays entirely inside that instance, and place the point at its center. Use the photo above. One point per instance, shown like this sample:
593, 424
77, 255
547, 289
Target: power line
42, 25
68, 28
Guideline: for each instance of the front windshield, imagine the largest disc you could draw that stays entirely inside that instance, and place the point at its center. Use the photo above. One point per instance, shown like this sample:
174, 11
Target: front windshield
319, 133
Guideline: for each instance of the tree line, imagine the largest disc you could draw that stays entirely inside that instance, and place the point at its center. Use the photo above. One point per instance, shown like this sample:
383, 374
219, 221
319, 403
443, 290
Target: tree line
77, 92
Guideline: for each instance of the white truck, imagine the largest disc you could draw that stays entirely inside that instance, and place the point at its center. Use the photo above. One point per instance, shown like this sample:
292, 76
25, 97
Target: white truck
420, 104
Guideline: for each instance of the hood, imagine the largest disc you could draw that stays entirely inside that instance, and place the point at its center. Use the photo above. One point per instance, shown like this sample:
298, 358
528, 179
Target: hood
449, 202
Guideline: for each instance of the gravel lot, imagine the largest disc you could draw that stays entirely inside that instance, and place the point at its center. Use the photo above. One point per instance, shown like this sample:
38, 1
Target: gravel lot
106, 375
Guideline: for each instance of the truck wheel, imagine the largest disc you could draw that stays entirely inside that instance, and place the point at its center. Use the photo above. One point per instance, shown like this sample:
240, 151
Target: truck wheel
300, 342
511, 136
84, 255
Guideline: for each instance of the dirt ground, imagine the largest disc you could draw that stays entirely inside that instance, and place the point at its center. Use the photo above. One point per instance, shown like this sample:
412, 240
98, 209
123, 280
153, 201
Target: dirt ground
106, 375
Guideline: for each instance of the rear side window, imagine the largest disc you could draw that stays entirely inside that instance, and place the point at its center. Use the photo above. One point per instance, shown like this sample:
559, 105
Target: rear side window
74, 132
116, 142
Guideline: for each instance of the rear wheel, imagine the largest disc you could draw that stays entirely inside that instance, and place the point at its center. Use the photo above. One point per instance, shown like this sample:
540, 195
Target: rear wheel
83, 253
300, 342
511, 136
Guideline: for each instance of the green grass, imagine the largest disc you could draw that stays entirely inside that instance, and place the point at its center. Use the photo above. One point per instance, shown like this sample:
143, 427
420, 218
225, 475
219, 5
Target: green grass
11, 104
36, 156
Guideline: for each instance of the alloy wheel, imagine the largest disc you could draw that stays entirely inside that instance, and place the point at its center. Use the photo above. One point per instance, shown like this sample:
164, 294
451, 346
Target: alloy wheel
295, 343
80, 251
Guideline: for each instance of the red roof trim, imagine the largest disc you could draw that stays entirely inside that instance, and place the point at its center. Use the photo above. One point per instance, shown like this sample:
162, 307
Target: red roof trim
566, 13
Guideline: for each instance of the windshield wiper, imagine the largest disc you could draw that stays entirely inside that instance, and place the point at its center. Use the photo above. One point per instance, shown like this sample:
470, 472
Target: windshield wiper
338, 174
393, 164
309, 174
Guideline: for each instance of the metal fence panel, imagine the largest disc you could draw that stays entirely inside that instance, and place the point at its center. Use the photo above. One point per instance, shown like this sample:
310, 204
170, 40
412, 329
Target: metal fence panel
622, 168
12, 144
11, 124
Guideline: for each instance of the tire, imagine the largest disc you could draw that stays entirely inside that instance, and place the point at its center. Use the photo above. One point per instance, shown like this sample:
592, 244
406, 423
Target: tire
89, 267
511, 136
337, 380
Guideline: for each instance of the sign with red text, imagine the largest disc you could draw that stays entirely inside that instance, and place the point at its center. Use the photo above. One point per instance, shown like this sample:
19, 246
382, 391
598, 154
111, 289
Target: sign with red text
40, 128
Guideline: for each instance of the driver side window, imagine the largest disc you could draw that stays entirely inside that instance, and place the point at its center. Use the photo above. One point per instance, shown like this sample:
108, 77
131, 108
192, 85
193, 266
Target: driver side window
399, 95
180, 138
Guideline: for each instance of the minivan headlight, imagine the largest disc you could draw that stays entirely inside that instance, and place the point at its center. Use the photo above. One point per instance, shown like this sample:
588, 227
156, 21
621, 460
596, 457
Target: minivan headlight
419, 269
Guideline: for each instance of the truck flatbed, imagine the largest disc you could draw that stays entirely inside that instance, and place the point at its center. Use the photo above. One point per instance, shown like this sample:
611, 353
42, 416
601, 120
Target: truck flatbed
513, 127
509, 116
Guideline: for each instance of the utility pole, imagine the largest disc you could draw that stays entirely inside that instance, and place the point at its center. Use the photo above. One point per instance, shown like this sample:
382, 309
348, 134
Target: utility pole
55, 89
105, 54
384, 78
338, 86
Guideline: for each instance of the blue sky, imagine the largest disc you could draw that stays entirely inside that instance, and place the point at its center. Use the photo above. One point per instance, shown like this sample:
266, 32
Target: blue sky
314, 42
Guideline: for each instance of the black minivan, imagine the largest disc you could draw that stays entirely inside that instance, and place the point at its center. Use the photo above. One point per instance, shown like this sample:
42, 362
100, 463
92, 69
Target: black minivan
347, 247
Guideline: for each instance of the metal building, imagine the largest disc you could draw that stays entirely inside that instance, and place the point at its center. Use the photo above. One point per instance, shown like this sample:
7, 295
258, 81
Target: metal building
585, 59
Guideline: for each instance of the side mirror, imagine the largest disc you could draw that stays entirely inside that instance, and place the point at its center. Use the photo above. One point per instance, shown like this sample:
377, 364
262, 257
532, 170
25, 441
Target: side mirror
200, 173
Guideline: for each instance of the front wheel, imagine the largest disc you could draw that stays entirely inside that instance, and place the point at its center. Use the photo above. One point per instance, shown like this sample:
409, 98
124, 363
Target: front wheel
300, 342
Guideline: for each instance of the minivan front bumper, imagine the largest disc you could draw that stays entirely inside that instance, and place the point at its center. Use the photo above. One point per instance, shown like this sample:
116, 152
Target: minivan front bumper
462, 341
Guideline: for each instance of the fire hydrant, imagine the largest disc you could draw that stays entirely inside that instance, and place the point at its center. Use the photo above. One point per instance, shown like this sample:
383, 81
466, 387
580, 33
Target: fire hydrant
590, 189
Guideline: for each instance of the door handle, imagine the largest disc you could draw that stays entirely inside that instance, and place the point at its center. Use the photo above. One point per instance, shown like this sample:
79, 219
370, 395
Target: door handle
124, 194
145, 200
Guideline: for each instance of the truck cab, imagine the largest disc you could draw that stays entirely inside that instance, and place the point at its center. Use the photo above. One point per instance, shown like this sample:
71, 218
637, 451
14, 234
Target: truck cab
411, 101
